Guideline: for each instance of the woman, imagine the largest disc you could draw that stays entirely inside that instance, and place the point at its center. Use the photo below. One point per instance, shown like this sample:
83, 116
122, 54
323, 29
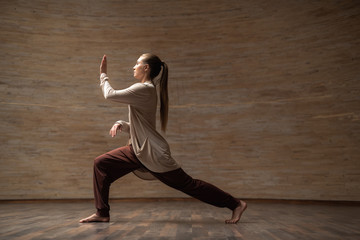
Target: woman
148, 154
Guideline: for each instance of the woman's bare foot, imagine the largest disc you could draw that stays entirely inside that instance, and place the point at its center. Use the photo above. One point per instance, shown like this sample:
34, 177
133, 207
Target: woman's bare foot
95, 218
237, 212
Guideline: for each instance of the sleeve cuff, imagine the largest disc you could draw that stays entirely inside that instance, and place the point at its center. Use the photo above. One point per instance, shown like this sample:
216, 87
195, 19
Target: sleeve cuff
125, 125
103, 78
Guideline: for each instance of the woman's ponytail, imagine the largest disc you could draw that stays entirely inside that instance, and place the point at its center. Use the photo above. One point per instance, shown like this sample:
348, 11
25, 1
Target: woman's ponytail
164, 98
155, 68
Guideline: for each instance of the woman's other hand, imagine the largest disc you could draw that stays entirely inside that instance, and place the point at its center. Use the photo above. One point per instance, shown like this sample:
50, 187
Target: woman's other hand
116, 127
103, 65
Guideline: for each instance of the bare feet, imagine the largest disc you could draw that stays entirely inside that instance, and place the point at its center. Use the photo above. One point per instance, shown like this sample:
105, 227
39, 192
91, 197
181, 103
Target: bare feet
237, 212
95, 218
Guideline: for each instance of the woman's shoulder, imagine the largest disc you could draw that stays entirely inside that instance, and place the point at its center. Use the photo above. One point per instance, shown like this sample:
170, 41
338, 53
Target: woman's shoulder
142, 87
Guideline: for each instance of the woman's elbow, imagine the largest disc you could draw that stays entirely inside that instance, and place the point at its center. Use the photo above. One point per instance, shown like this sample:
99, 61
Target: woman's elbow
107, 95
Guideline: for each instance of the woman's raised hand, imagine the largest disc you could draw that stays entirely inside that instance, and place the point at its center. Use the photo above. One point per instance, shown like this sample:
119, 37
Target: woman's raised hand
103, 65
114, 129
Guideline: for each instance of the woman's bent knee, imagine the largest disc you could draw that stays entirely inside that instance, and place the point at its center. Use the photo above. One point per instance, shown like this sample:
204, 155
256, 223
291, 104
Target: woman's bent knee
98, 161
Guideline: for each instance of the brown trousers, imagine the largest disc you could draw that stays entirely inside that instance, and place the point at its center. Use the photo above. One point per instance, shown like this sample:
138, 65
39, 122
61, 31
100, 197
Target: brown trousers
110, 166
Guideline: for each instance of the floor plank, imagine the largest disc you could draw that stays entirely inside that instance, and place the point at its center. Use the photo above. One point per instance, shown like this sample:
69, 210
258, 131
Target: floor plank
180, 220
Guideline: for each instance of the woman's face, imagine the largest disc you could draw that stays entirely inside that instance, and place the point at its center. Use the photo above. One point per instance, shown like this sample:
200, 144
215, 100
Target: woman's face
140, 69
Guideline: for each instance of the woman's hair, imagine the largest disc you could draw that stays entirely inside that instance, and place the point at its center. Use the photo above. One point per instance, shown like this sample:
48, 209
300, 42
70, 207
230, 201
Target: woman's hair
155, 65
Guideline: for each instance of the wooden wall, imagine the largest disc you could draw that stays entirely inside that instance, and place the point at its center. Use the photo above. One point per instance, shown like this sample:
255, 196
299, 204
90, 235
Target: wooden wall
264, 95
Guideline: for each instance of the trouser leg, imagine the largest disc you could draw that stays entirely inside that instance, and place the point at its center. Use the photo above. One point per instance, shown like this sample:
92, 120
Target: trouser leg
109, 167
198, 189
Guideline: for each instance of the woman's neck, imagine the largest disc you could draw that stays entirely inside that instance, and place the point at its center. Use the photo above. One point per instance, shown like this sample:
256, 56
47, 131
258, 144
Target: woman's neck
145, 79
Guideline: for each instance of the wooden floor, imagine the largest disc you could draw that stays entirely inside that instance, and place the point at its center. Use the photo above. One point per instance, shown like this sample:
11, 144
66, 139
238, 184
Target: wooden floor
182, 220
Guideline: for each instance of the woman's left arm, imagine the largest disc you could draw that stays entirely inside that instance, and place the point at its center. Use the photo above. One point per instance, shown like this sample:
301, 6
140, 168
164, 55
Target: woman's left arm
133, 95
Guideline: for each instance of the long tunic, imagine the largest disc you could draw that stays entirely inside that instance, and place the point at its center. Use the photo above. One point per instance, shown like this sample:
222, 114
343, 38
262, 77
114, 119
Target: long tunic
150, 147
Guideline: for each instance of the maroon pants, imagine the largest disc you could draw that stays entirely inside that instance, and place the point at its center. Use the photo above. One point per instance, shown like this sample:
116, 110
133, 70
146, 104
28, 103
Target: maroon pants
110, 166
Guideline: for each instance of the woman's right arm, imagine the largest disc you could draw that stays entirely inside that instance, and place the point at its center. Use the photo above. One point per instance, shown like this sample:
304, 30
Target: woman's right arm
121, 126
125, 126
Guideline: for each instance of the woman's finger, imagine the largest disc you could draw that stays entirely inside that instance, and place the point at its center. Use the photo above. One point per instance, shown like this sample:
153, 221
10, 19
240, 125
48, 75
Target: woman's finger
114, 129
111, 132
103, 65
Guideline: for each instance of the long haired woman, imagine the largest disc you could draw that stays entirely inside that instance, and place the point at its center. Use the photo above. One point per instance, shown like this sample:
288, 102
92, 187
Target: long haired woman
148, 153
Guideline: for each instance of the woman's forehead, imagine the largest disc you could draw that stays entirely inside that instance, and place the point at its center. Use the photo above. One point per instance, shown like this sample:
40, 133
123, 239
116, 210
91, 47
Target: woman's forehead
140, 59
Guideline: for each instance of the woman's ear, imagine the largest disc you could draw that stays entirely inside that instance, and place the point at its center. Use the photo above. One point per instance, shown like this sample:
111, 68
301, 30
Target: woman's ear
146, 67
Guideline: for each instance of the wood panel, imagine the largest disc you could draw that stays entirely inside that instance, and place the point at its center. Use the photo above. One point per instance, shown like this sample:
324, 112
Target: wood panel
264, 95
170, 220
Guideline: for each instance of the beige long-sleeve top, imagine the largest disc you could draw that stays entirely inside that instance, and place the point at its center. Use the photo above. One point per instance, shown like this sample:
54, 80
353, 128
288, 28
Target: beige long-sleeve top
150, 147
